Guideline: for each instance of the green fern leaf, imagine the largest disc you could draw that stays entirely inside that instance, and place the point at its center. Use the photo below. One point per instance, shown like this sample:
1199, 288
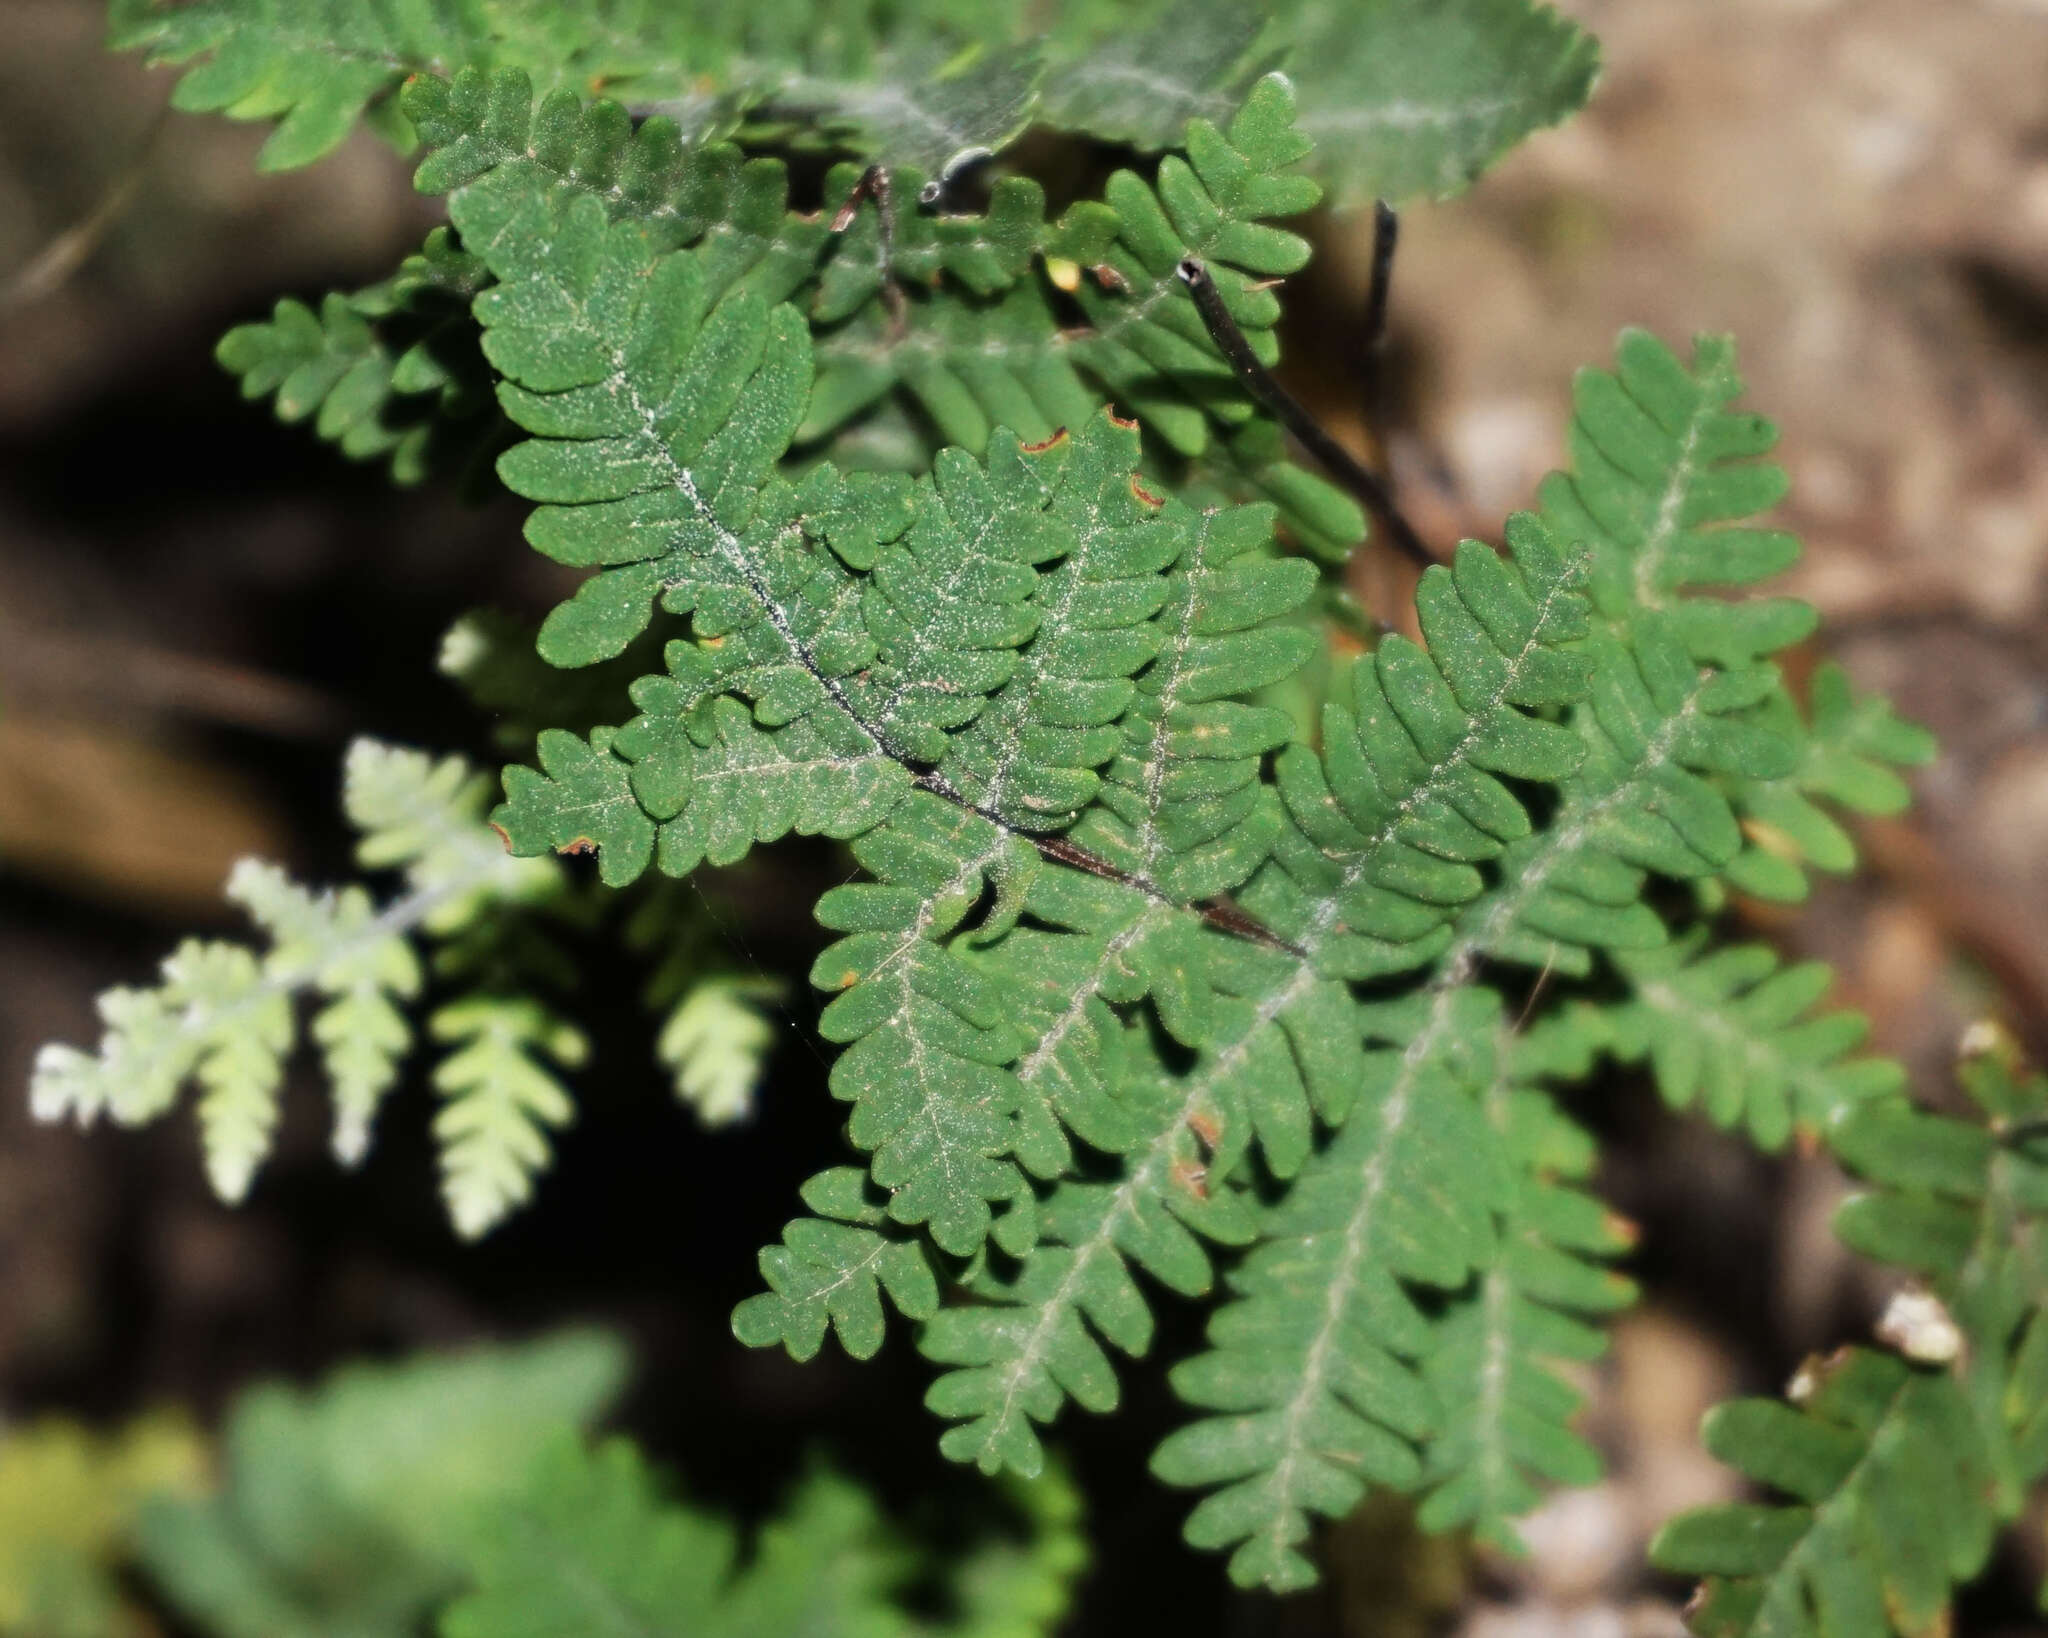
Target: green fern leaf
1506, 1412
591, 1543
1733, 1031
1142, 82
1311, 1368
1406, 798
1665, 475
923, 112
1655, 730
391, 371
1032, 1341
1663, 472
831, 1270
350, 1508
1182, 803
1846, 756
1886, 1470
314, 66
1900, 1470
1279, 1039
971, 361
634, 1558
1406, 97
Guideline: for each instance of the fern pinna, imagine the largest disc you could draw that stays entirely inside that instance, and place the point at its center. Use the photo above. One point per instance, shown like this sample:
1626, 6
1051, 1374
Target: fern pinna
1194, 949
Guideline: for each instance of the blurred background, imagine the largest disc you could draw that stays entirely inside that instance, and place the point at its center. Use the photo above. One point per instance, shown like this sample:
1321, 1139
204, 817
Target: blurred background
198, 608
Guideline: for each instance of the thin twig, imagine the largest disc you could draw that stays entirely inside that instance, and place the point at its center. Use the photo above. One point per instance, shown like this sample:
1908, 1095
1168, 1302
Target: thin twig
47, 272
1218, 912
1386, 236
1288, 411
875, 185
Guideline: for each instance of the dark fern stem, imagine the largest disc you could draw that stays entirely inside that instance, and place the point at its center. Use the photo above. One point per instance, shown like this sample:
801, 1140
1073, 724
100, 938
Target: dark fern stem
1288, 410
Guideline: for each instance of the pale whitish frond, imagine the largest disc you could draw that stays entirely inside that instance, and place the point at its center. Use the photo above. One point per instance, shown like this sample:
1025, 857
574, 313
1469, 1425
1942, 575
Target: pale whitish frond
500, 1096
225, 1016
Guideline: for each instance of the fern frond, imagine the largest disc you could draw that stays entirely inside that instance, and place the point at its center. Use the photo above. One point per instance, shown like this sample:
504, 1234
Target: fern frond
1656, 729
224, 1016
391, 371
1662, 473
501, 1098
1665, 475
928, 1039
1280, 1036
1407, 799
715, 1037
592, 1543
1734, 1031
1900, 1470
685, 192
1032, 1340
1886, 1471
1635, 803
1848, 747
1182, 805
1506, 1412
971, 362
831, 1270
1406, 97
1140, 81
320, 65
315, 66
1311, 1369
351, 1506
